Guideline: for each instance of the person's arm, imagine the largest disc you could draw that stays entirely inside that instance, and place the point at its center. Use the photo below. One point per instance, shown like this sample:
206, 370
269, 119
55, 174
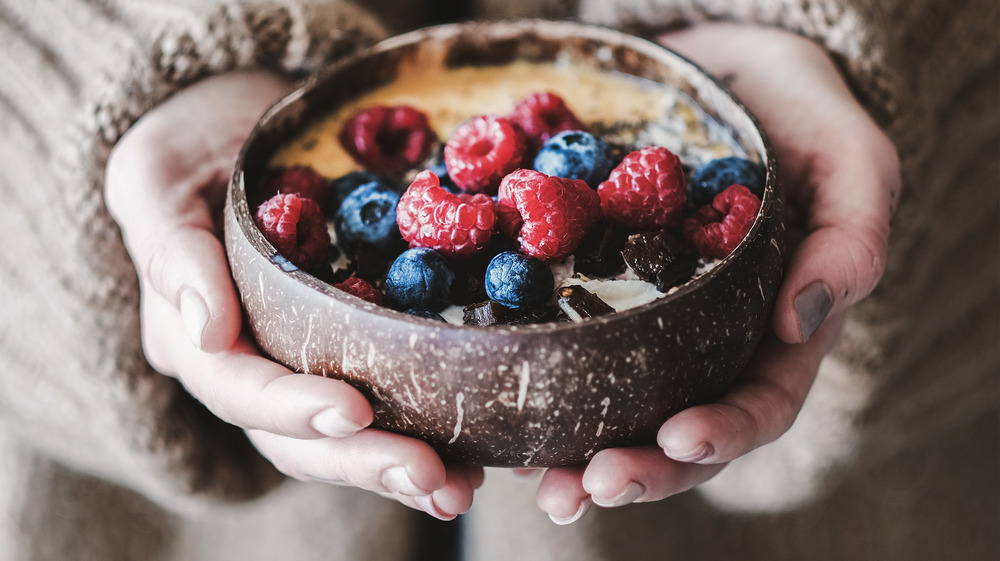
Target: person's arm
74, 382
166, 181
840, 174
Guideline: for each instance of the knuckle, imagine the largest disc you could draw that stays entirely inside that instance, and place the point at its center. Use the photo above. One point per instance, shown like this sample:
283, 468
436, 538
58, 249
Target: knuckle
868, 255
155, 263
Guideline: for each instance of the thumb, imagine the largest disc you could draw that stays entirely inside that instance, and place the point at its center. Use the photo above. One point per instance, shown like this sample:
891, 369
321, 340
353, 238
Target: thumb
167, 225
842, 256
187, 266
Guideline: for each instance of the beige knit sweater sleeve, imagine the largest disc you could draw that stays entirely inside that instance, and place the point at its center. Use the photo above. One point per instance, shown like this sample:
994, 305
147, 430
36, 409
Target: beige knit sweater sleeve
74, 75
919, 356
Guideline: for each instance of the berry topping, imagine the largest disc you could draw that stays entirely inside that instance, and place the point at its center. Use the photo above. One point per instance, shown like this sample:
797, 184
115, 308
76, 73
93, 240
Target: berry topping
716, 229
713, 177
387, 139
295, 227
517, 280
548, 215
368, 214
575, 155
419, 278
456, 225
482, 151
659, 258
541, 116
303, 181
344, 185
362, 289
646, 190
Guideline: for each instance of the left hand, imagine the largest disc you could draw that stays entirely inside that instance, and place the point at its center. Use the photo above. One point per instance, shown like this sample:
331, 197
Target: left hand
841, 174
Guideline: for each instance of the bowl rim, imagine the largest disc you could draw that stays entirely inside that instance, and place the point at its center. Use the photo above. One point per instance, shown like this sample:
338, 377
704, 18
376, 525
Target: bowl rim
497, 29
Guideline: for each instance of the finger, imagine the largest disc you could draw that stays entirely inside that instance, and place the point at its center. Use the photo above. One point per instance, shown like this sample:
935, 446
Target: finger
187, 266
758, 410
165, 186
250, 391
561, 495
371, 459
456, 496
842, 256
621, 476
170, 233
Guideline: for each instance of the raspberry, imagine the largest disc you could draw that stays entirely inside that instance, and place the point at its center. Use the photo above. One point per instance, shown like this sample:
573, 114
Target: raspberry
646, 190
455, 225
548, 215
482, 151
295, 227
303, 181
716, 229
387, 139
541, 116
362, 289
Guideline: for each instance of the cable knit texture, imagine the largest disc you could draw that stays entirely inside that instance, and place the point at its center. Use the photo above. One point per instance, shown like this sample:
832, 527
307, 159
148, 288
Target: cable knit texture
74, 379
919, 358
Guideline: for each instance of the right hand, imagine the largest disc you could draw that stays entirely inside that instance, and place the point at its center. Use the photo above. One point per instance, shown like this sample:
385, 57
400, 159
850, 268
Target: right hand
166, 183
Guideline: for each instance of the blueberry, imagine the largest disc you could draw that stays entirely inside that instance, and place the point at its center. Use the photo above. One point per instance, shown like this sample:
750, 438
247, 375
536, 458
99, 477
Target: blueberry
576, 155
517, 280
344, 185
420, 278
368, 214
715, 176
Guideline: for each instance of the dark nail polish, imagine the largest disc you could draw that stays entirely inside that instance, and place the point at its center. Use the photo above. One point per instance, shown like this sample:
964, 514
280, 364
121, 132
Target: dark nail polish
812, 305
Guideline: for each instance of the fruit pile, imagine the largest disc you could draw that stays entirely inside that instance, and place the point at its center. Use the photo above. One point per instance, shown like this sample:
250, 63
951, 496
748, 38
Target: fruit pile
480, 220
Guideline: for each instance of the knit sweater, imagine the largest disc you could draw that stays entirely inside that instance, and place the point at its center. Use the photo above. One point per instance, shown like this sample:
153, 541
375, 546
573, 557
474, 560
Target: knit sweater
919, 357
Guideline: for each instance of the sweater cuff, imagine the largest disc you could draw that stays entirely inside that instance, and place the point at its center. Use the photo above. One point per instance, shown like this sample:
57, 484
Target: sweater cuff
288, 36
831, 23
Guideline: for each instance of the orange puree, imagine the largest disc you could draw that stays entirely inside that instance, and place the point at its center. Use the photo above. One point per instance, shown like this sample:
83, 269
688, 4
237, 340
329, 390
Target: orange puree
450, 96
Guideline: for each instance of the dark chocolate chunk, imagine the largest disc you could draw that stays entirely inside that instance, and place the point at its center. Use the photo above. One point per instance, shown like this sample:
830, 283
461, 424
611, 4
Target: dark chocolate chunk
599, 254
467, 287
370, 263
493, 313
584, 302
659, 258
424, 313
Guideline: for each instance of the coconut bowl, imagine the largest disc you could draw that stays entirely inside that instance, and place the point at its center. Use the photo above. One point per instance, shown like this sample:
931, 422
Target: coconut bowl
548, 394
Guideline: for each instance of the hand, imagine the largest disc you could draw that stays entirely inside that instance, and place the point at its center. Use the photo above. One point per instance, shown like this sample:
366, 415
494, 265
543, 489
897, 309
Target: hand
166, 184
840, 175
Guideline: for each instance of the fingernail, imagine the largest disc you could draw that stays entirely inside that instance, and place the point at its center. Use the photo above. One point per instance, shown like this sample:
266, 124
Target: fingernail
626, 497
696, 454
397, 480
812, 305
584, 507
332, 423
194, 315
427, 504
527, 473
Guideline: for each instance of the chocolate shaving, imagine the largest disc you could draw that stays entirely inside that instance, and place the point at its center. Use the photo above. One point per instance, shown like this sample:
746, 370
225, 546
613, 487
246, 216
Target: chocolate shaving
584, 302
492, 313
659, 258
